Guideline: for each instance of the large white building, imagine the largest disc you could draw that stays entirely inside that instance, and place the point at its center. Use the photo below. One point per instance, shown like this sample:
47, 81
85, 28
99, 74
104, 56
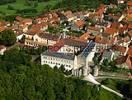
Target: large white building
78, 64
57, 59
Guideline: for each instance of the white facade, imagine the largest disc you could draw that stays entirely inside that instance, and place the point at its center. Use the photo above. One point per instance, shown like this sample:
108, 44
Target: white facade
69, 49
53, 61
19, 37
38, 41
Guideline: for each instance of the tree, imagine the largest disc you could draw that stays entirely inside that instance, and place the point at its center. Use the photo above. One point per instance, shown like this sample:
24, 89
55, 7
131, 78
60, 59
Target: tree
15, 56
7, 38
106, 2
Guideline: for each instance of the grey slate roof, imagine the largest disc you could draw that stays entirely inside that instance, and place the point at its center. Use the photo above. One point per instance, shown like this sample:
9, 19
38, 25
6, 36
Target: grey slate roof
68, 56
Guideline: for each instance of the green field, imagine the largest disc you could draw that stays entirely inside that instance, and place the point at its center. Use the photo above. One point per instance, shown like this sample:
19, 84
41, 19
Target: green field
21, 4
33, 8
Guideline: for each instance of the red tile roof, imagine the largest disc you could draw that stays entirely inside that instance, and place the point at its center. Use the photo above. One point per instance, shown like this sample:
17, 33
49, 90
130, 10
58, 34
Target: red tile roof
101, 40
124, 59
80, 23
18, 18
68, 14
130, 51
39, 26
110, 31
2, 28
100, 10
122, 29
68, 41
57, 46
115, 25
129, 3
129, 17
120, 60
119, 48
123, 49
85, 36
130, 25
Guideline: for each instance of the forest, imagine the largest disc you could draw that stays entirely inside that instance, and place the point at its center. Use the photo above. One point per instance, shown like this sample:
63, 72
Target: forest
6, 1
21, 79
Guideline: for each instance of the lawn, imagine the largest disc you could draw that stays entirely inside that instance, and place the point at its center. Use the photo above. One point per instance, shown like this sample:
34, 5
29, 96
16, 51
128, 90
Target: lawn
21, 4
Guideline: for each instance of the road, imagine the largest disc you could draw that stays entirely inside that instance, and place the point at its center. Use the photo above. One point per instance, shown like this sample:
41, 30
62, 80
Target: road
91, 79
112, 77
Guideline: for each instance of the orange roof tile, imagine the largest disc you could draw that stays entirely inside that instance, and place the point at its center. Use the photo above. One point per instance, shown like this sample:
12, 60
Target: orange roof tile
101, 9
18, 18
110, 31
68, 14
129, 62
120, 60
122, 29
80, 23
129, 3
85, 36
2, 28
130, 25
130, 51
115, 25
57, 46
119, 48
101, 40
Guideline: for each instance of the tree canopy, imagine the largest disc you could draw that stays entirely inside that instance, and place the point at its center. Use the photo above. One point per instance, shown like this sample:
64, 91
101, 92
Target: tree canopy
7, 37
20, 79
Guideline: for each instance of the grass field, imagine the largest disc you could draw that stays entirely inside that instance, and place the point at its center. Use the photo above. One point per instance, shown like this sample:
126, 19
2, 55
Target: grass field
21, 4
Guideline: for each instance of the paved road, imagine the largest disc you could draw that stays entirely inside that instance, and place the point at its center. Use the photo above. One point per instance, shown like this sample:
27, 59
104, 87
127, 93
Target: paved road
91, 79
112, 77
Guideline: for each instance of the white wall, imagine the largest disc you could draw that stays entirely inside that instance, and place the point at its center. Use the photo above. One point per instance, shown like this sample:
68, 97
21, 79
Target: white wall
54, 61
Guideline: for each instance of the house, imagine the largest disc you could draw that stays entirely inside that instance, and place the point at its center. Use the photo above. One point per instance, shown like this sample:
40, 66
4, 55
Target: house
2, 28
41, 26
24, 23
129, 4
100, 12
130, 34
80, 24
110, 32
108, 54
18, 18
130, 26
19, 35
123, 50
77, 25
69, 15
129, 17
69, 45
42, 39
85, 36
2, 49
94, 30
40, 20
124, 62
103, 43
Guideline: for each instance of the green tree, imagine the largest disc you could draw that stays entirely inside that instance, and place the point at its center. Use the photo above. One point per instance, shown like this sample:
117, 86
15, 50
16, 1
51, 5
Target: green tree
7, 38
